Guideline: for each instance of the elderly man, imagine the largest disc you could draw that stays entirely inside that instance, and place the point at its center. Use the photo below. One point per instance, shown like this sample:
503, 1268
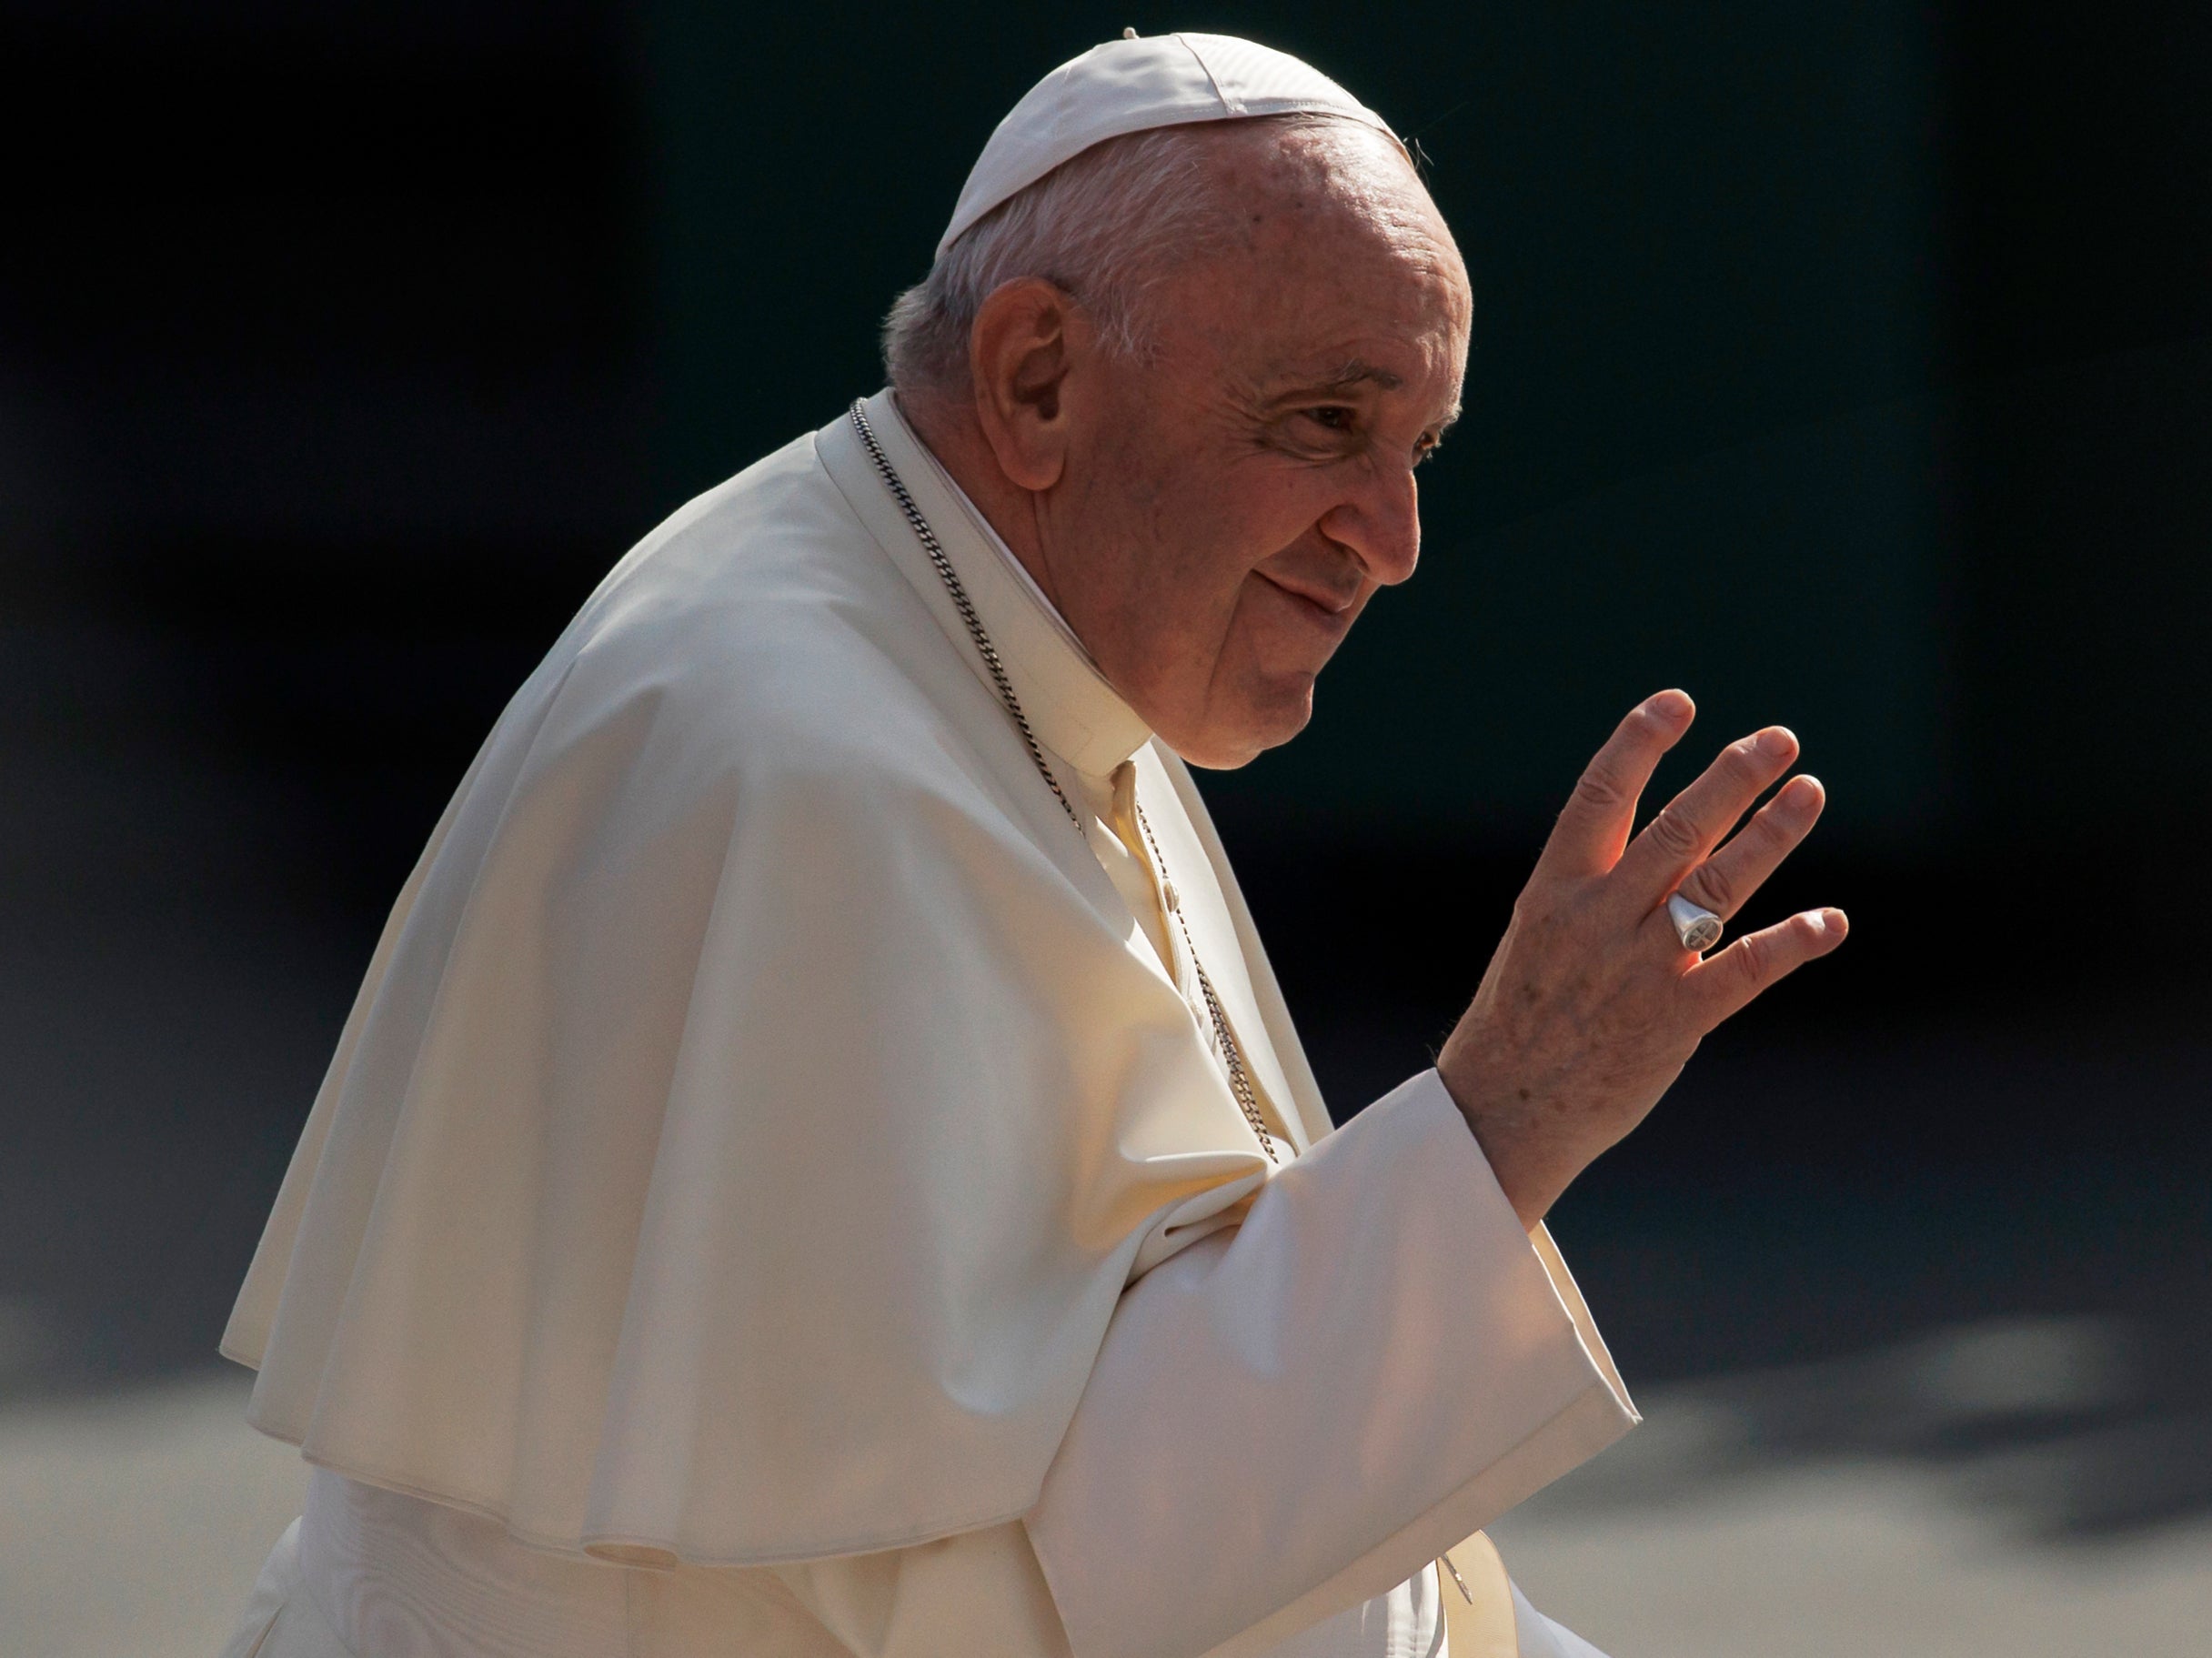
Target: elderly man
820, 1165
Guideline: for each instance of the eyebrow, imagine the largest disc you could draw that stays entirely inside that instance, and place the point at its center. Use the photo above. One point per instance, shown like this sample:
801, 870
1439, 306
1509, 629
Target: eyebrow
1357, 371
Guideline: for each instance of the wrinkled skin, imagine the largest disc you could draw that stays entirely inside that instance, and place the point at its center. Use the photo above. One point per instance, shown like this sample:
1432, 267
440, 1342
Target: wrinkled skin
1592, 1006
1211, 516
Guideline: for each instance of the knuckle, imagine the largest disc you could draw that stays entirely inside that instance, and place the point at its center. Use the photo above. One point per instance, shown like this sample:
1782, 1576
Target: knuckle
1598, 786
1748, 759
1776, 833
1709, 884
1672, 831
1535, 908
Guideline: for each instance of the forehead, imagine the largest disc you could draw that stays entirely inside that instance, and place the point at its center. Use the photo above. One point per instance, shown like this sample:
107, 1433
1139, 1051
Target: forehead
1392, 326
1338, 267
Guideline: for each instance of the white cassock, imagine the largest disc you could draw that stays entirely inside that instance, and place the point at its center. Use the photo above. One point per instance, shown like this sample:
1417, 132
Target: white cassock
777, 1192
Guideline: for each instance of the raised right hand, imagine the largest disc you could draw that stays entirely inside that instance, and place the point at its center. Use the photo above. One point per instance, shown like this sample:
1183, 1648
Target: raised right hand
1592, 1006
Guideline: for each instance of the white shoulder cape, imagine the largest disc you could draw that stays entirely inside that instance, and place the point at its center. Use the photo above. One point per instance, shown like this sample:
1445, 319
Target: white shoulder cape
753, 1109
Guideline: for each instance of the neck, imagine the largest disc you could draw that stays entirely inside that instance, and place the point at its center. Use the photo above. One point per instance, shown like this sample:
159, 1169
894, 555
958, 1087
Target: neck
948, 426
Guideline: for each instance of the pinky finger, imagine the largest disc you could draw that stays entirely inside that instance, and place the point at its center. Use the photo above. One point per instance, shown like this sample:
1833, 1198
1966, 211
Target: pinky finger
1724, 982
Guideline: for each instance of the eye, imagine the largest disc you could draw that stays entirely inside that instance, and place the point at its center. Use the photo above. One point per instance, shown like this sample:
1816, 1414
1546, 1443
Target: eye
1334, 416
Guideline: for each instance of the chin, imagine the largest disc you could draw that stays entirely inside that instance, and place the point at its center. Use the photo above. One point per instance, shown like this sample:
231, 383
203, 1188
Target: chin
1260, 723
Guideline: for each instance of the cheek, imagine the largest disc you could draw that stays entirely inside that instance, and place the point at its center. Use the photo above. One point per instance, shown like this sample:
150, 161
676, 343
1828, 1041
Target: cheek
1243, 517
1199, 620
1203, 543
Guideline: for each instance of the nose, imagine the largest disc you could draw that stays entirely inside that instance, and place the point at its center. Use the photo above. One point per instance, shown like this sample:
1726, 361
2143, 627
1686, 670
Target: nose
1380, 523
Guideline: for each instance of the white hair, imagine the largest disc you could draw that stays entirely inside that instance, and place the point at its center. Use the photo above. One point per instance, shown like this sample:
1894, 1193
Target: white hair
1106, 227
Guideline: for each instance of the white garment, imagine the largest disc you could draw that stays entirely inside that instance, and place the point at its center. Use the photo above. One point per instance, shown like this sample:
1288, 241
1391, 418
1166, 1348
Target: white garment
368, 1574
754, 973
1108, 800
375, 1575
383, 1575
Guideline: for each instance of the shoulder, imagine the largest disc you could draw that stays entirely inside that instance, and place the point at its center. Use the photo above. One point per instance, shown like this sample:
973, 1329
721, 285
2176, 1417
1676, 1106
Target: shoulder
759, 633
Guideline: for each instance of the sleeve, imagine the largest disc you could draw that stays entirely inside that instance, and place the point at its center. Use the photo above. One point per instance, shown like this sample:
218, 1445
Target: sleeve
1290, 1419
1284, 1421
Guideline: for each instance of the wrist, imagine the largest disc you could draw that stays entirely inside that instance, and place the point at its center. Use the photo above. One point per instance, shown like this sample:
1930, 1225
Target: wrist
1510, 1132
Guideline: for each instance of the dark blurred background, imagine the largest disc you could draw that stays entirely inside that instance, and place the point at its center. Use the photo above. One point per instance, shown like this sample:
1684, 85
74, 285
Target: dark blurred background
1847, 364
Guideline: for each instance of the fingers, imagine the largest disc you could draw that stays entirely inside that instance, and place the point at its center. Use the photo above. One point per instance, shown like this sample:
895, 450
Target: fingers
1595, 825
1725, 981
1696, 821
1727, 879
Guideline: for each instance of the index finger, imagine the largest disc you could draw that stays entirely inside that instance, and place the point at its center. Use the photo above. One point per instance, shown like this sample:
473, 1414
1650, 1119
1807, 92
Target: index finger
1594, 826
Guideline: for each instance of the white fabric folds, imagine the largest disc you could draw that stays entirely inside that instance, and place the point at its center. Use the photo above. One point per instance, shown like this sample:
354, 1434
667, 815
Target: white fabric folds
759, 1100
766, 1140
1380, 1325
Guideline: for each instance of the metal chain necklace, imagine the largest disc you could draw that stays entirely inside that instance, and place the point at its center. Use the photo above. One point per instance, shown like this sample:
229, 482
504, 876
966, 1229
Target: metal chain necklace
1239, 1079
1239, 1082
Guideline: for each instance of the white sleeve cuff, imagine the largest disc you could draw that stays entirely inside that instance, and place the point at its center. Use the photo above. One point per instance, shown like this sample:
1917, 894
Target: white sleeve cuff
1290, 1419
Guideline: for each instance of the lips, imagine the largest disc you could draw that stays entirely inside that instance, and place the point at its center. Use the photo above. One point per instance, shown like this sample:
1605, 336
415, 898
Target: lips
1328, 611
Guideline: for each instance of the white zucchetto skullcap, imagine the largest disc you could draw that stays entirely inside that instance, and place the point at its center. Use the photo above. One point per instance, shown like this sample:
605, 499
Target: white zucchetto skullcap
1132, 85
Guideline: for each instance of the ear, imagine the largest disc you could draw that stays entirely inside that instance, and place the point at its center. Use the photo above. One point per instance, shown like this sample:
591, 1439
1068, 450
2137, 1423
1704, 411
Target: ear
1028, 339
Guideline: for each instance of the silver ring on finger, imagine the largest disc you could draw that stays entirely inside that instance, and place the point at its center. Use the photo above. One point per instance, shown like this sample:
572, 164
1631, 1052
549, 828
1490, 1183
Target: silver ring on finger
1698, 928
